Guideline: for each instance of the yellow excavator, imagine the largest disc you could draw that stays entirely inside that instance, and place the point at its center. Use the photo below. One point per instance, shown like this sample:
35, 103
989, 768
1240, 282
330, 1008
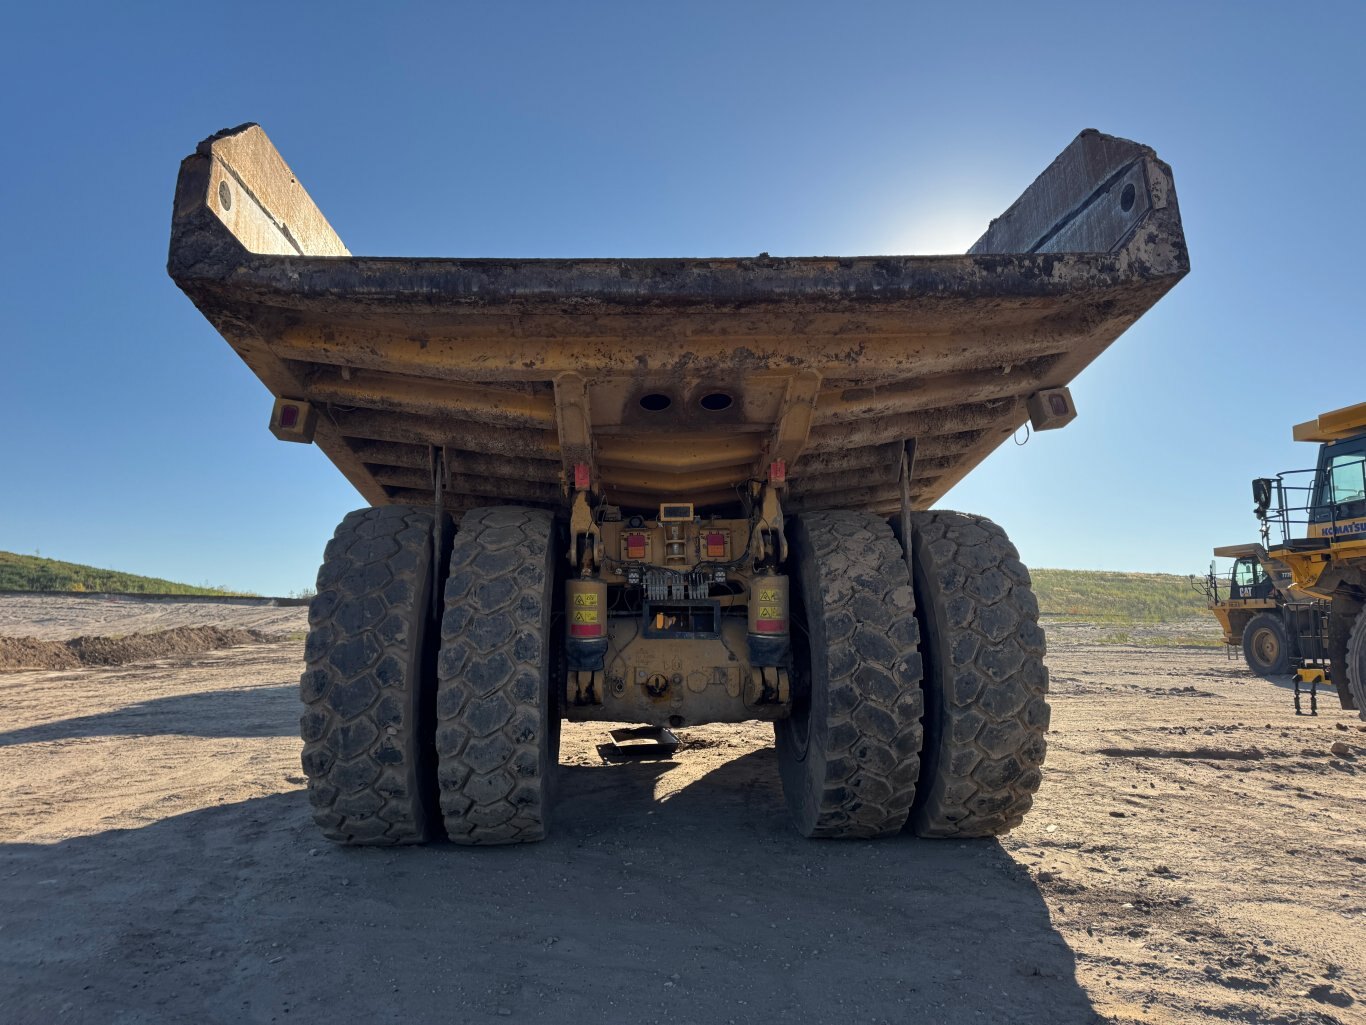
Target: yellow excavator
1314, 526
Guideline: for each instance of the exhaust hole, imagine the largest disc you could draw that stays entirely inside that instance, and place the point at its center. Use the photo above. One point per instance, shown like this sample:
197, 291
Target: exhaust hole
655, 402
1126, 198
715, 401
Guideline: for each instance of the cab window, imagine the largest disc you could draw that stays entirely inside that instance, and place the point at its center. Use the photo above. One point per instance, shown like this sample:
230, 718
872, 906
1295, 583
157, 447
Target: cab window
1341, 479
1347, 478
1248, 578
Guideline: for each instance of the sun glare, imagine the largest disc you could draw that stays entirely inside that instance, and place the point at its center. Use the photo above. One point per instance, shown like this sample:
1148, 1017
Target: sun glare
947, 229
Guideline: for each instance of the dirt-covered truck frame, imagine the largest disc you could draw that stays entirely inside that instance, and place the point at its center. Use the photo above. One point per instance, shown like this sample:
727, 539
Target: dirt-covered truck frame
672, 492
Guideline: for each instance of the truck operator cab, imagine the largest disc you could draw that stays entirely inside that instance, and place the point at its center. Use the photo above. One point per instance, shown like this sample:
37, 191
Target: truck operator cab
1338, 508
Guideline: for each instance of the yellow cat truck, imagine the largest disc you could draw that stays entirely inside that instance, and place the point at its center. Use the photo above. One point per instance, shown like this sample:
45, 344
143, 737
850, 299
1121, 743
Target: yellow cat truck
666, 492
1317, 518
1277, 627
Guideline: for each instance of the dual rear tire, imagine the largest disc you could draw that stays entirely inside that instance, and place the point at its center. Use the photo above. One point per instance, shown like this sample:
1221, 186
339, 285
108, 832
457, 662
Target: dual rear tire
919, 687
918, 683
392, 759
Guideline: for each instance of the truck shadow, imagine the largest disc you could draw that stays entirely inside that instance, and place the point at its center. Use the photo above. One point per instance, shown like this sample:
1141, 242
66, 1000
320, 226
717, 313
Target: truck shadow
895, 929
700, 907
233, 712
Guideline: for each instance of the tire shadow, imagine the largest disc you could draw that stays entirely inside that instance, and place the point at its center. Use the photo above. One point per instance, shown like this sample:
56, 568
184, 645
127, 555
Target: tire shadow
234, 712
703, 907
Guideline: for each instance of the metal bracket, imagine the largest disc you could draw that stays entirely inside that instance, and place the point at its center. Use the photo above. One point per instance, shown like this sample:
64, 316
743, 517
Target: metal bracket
768, 685
770, 537
575, 426
582, 525
793, 426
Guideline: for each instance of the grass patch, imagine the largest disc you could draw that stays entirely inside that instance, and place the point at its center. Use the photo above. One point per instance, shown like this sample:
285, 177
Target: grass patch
1100, 596
34, 573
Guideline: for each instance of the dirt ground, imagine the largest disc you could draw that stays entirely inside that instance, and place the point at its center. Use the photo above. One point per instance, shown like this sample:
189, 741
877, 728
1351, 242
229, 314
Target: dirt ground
59, 618
1196, 855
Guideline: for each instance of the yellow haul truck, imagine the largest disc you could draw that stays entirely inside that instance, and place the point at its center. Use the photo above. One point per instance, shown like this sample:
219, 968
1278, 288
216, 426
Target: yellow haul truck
1318, 519
671, 491
1278, 627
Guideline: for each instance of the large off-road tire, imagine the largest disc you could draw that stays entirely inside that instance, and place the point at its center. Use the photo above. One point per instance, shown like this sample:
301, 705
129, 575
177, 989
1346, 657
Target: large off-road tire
985, 685
369, 686
1266, 647
1356, 665
849, 753
498, 724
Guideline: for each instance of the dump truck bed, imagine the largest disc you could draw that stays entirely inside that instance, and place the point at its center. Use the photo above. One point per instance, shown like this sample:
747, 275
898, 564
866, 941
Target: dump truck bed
672, 377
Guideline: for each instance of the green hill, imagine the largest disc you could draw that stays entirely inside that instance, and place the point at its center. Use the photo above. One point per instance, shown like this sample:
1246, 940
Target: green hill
34, 573
1093, 596
1100, 596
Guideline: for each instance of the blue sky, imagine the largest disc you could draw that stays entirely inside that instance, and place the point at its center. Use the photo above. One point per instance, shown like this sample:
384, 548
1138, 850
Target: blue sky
134, 438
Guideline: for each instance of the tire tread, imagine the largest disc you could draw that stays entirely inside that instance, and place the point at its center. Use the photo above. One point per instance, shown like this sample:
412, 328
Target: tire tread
872, 664
492, 714
363, 723
990, 684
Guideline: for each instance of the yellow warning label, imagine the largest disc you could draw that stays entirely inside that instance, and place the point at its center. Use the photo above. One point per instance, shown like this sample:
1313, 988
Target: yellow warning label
585, 615
773, 595
770, 612
585, 598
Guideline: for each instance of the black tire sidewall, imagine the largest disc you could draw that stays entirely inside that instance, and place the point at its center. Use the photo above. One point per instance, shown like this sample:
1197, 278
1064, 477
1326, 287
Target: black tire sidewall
1355, 661
1270, 622
799, 739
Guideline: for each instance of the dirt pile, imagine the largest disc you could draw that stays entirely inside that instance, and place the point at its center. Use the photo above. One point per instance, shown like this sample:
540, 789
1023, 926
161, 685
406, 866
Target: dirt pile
20, 653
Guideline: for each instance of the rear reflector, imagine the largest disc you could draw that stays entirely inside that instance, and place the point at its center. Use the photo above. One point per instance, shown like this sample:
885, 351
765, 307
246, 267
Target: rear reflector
292, 420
